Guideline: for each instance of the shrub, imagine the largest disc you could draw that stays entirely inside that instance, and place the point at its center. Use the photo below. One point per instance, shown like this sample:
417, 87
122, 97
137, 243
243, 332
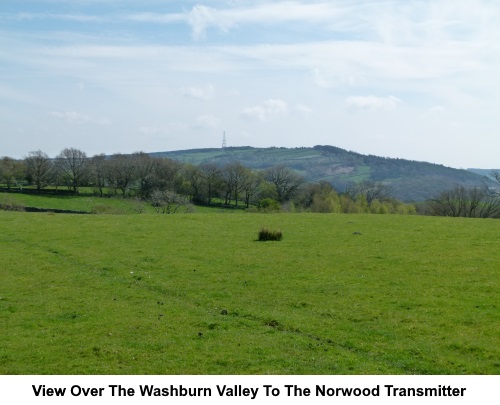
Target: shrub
9, 204
267, 234
269, 205
168, 202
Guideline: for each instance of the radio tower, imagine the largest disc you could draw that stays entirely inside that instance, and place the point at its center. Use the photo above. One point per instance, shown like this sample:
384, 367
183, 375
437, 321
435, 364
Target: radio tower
224, 140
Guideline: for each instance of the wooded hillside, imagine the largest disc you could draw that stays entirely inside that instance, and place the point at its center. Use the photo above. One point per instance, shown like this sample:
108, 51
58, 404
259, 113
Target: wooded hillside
409, 180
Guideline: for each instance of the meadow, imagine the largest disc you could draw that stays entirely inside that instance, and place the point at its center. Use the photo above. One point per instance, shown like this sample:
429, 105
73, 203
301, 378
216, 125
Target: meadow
87, 202
198, 294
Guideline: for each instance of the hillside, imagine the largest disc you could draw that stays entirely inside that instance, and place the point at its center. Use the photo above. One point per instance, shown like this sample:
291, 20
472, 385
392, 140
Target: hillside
410, 180
483, 172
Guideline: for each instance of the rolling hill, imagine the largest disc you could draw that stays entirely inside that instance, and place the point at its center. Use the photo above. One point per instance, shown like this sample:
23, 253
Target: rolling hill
410, 180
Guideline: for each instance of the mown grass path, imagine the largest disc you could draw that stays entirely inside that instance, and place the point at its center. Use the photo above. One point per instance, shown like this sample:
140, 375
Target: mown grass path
197, 294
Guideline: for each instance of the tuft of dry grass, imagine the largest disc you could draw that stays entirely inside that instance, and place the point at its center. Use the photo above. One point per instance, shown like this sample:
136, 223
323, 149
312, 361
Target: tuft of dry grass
270, 234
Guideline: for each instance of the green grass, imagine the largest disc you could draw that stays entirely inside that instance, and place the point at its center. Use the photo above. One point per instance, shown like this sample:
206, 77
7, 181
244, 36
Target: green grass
94, 204
197, 294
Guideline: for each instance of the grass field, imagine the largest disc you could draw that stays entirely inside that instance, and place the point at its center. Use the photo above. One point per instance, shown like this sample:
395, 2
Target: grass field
197, 294
89, 203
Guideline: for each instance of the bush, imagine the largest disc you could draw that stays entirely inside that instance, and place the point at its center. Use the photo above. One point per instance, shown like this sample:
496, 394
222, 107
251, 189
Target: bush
269, 205
267, 234
168, 202
9, 204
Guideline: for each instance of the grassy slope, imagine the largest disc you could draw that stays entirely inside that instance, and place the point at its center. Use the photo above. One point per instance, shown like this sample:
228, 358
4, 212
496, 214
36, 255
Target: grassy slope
145, 294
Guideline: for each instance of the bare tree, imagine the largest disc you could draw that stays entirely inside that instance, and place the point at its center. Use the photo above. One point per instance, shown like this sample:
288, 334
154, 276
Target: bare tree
98, 172
142, 170
490, 205
496, 176
73, 166
39, 169
285, 181
250, 186
475, 202
121, 172
449, 203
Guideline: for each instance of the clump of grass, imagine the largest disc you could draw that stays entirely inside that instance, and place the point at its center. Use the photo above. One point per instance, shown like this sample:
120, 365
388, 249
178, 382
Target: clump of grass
270, 234
273, 323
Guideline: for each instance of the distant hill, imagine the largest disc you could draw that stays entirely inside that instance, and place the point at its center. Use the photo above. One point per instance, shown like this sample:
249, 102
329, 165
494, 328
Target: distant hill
410, 180
483, 172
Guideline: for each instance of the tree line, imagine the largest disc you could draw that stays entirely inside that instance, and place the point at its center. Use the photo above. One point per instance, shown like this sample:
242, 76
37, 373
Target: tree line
168, 184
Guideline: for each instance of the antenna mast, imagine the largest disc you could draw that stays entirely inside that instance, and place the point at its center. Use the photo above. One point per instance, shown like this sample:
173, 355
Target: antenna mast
224, 140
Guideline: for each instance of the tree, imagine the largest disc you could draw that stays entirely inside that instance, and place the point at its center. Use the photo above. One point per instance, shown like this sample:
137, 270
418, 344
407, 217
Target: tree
98, 172
370, 191
285, 181
496, 176
146, 173
250, 186
211, 175
39, 169
166, 172
475, 202
191, 182
319, 197
234, 176
121, 172
73, 166
154, 173
11, 171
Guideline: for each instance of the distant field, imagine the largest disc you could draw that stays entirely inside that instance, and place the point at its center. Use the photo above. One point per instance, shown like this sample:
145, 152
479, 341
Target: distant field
91, 204
197, 294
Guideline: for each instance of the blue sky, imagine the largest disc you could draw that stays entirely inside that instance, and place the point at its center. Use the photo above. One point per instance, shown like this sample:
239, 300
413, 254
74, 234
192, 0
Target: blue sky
412, 79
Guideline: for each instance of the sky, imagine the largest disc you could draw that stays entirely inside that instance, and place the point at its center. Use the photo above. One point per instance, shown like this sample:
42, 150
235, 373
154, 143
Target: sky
409, 79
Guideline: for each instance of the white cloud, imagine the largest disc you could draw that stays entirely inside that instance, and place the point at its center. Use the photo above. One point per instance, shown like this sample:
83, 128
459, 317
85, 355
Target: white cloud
71, 117
149, 17
275, 106
437, 109
81, 18
207, 121
434, 111
11, 94
302, 109
335, 75
373, 102
202, 17
76, 118
148, 131
199, 93
266, 110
